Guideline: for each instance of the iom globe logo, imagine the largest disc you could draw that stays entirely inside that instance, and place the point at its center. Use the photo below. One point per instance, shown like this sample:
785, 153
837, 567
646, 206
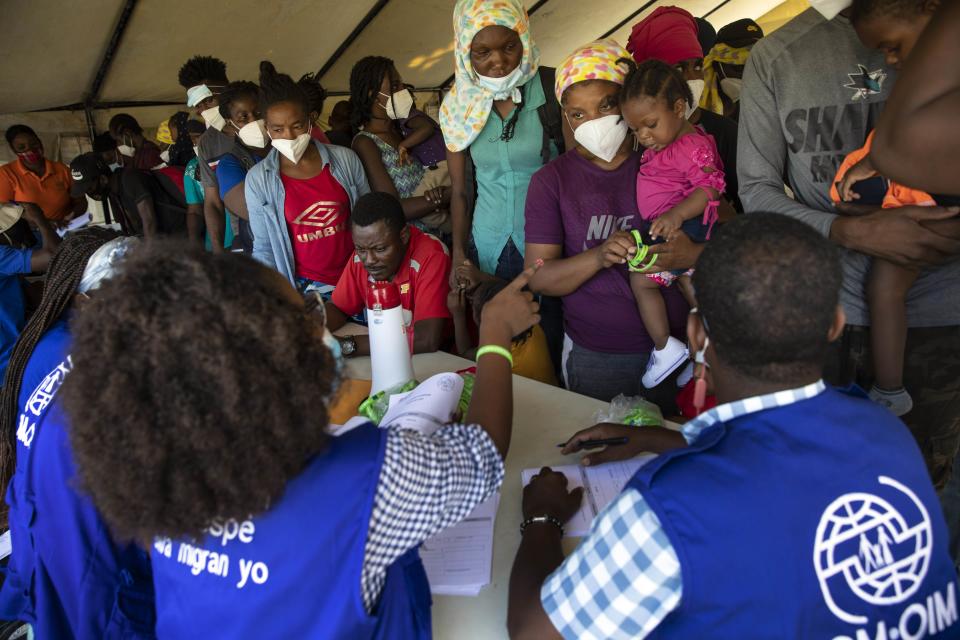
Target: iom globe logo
869, 551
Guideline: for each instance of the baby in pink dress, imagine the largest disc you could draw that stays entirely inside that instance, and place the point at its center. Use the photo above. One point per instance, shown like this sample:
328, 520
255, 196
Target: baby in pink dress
678, 189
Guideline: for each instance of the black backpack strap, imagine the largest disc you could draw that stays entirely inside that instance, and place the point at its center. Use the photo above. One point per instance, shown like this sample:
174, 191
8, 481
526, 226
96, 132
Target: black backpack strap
550, 116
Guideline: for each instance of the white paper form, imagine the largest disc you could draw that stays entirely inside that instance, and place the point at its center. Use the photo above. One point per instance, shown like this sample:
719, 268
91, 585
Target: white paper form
602, 484
579, 524
458, 560
77, 223
428, 407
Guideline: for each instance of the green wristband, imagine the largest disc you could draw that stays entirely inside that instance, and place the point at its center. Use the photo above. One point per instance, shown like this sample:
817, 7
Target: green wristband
636, 263
500, 351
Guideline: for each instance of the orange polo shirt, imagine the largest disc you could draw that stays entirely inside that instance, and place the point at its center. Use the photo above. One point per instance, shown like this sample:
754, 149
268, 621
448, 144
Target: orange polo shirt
51, 192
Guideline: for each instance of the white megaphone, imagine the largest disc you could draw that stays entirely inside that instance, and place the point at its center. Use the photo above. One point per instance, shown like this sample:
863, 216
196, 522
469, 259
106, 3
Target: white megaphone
390, 360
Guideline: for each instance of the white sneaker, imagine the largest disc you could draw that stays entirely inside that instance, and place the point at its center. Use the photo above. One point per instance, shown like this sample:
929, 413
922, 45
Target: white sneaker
685, 376
898, 402
664, 361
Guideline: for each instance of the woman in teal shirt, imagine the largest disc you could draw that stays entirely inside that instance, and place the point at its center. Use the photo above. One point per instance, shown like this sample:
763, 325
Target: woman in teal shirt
496, 110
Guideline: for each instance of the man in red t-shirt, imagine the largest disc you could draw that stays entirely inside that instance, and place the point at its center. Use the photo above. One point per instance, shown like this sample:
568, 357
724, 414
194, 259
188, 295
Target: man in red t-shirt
388, 249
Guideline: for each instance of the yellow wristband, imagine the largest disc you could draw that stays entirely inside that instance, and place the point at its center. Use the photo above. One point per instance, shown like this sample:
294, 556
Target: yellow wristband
500, 351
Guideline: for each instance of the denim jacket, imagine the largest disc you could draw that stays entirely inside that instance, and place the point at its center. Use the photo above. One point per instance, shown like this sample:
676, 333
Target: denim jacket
265, 197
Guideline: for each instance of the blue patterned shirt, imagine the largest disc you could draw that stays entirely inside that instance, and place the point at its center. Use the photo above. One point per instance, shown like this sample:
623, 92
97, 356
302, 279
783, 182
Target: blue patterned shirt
624, 578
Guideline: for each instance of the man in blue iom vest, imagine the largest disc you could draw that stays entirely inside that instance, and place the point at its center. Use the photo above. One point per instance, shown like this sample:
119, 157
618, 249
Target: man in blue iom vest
791, 510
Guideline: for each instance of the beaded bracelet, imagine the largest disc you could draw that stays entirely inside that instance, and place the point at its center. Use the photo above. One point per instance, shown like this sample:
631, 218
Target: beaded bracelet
536, 519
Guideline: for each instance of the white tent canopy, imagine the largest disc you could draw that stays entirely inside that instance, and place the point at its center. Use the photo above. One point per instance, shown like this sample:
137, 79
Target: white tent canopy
123, 55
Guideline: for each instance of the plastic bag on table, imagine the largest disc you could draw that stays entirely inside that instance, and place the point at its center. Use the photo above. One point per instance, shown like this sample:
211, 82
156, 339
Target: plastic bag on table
469, 378
375, 407
632, 410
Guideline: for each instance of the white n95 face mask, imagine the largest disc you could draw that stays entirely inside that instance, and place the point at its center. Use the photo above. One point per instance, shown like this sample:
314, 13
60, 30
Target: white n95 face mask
502, 88
213, 118
731, 87
254, 134
602, 137
399, 104
294, 149
126, 150
829, 8
696, 88
165, 155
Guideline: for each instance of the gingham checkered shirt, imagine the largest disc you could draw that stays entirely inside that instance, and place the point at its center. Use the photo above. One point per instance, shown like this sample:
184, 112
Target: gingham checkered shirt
427, 483
624, 577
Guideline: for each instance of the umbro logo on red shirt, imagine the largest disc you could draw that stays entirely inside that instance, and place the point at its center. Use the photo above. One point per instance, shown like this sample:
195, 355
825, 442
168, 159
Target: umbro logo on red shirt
319, 214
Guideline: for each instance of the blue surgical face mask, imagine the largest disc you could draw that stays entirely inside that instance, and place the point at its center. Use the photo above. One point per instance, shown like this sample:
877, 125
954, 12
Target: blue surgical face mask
334, 345
313, 302
504, 87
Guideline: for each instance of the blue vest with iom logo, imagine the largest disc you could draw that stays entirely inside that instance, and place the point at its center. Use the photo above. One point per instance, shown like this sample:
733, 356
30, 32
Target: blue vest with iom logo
812, 520
294, 571
66, 575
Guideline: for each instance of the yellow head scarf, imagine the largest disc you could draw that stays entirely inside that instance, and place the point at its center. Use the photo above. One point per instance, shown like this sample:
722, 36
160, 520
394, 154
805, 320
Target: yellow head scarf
594, 61
722, 53
163, 132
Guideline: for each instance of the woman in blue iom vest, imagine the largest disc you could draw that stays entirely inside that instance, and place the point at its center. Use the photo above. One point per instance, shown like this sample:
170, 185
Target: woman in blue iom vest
260, 523
791, 510
67, 576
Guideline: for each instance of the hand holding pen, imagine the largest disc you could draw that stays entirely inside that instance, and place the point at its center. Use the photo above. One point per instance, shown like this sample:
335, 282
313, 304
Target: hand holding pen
621, 442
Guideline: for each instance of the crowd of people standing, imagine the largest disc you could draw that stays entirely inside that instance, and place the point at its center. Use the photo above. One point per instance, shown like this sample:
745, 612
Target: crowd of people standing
728, 223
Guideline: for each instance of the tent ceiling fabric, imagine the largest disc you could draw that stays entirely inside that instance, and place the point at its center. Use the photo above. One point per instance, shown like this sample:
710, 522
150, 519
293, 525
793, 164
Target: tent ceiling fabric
62, 42
298, 36
52, 50
416, 34
727, 13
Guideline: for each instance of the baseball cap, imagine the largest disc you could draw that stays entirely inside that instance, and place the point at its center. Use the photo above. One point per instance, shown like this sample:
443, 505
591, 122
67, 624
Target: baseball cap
10, 214
85, 169
740, 34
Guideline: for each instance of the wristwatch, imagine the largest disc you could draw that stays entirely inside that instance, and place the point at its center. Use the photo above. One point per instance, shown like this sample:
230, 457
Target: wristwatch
348, 345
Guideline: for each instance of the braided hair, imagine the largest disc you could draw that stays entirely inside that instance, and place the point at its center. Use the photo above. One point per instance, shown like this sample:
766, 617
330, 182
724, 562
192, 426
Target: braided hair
63, 277
236, 91
316, 94
276, 87
198, 69
654, 79
365, 81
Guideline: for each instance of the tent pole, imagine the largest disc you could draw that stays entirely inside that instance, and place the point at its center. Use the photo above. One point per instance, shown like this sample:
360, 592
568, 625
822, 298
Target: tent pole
367, 19
91, 123
709, 13
111, 51
630, 17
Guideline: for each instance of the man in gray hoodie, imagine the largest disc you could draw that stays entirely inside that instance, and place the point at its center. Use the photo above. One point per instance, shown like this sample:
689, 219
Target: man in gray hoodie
811, 94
